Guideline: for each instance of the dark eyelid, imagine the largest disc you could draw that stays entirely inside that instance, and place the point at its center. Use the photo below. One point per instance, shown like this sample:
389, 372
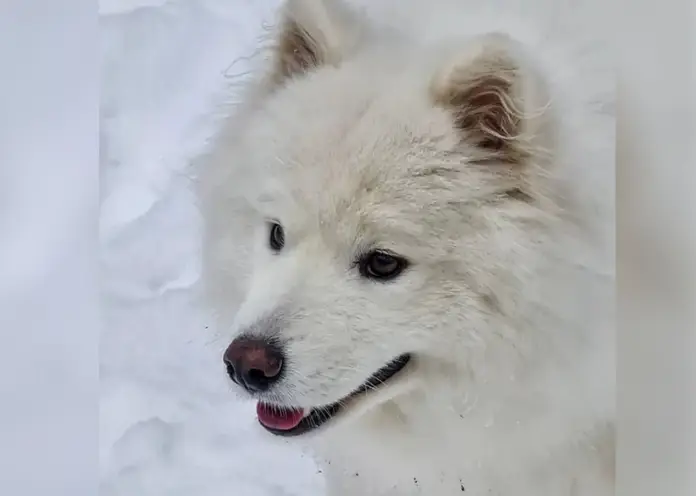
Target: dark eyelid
366, 250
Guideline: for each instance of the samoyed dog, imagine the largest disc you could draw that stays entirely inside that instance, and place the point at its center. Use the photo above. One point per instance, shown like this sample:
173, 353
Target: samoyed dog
409, 244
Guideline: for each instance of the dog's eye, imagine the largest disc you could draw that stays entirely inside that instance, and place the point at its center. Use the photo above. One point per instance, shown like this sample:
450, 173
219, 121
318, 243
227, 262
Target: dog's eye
381, 265
276, 238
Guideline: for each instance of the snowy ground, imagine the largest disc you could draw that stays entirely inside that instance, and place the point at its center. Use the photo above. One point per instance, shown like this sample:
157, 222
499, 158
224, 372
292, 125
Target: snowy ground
169, 424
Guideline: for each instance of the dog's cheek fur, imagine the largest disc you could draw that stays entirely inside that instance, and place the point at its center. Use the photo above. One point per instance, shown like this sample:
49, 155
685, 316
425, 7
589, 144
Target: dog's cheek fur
336, 327
339, 328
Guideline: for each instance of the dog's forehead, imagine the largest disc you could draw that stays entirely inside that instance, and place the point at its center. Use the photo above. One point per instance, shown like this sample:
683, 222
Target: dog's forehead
358, 161
350, 150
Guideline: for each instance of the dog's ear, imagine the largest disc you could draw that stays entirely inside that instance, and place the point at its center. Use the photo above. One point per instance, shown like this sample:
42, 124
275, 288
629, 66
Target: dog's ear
495, 99
311, 34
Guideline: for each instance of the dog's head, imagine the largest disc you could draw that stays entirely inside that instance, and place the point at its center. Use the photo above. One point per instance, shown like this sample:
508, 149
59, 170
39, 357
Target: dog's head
399, 202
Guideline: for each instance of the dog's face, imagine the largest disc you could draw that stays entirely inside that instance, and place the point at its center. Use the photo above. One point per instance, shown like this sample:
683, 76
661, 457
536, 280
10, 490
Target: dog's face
394, 213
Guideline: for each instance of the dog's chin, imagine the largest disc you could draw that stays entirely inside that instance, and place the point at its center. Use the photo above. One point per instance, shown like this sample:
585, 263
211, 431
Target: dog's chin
388, 382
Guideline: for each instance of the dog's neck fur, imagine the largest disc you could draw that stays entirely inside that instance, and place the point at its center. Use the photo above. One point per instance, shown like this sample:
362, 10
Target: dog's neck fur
443, 452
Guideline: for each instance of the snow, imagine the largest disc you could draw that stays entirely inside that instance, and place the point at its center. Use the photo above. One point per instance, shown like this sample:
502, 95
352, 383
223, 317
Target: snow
169, 422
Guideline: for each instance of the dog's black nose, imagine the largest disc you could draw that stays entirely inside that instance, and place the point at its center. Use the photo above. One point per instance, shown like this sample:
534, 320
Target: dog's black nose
255, 364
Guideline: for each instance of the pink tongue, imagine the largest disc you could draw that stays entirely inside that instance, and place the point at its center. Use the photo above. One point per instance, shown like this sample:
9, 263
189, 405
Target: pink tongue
275, 418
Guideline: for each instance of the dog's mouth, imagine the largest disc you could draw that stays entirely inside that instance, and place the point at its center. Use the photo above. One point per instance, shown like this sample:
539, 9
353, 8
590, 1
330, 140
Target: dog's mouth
287, 421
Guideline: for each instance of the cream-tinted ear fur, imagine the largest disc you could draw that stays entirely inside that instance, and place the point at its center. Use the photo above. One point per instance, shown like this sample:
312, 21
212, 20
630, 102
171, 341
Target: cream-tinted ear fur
495, 96
313, 33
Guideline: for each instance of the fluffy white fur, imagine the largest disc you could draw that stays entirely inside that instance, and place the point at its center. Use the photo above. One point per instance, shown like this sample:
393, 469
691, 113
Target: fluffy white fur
475, 138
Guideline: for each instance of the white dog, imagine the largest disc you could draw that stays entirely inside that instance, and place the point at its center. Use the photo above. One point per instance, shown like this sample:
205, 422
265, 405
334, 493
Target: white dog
409, 238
